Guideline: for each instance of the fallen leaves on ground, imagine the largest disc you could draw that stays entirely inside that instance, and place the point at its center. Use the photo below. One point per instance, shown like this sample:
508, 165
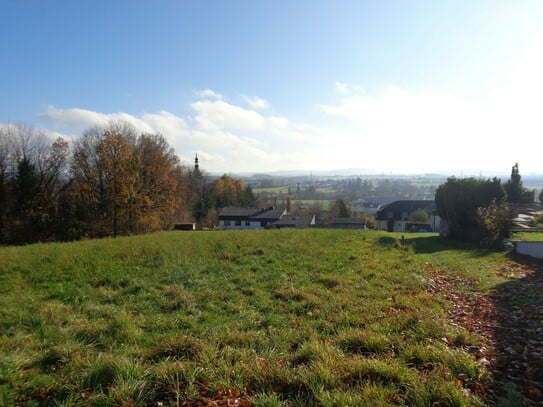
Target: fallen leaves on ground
508, 321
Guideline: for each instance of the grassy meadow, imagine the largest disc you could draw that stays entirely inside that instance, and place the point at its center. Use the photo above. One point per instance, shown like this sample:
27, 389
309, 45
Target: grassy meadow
277, 190
320, 204
264, 318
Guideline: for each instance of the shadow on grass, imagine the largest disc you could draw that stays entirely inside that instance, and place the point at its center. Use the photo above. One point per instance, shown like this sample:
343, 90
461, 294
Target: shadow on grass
513, 321
424, 244
518, 333
434, 244
428, 244
387, 241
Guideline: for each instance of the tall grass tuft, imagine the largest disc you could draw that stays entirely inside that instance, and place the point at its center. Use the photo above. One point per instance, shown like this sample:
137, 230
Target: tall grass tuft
101, 375
363, 342
176, 348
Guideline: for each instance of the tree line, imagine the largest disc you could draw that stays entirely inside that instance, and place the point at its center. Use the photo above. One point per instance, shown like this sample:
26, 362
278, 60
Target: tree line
481, 209
110, 181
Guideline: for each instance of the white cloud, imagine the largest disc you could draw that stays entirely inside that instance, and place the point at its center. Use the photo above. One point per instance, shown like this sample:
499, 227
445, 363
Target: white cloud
227, 137
218, 114
165, 122
343, 88
82, 118
394, 129
402, 130
256, 102
209, 94
398, 129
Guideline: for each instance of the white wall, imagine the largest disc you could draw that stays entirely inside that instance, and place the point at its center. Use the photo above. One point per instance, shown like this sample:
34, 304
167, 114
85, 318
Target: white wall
253, 225
533, 249
399, 225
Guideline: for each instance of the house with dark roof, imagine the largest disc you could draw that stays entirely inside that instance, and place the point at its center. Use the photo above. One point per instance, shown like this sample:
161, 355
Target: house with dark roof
248, 218
394, 217
348, 223
295, 221
365, 206
268, 217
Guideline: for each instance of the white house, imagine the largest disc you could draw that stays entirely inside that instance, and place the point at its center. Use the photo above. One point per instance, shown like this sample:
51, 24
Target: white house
248, 218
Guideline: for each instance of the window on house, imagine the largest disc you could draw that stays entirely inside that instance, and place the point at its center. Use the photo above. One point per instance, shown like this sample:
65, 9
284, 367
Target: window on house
247, 223
404, 215
390, 215
226, 223
238, 223
263, 223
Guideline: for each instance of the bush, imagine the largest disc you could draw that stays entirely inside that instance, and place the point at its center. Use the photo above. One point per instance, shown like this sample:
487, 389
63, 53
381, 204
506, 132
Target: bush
495, 223
458, 200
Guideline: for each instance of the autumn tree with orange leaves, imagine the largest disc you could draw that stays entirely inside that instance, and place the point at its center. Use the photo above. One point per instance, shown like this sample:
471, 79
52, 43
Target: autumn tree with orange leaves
112, 181
232, 192
126, 183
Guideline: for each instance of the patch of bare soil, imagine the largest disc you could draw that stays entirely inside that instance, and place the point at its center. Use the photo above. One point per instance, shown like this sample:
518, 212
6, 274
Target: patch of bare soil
509, 321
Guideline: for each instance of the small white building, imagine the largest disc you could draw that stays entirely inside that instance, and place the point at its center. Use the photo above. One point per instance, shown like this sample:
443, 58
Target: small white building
248, 218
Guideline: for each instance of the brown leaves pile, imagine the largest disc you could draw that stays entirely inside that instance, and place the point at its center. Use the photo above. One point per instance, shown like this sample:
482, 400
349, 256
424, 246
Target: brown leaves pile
508, 321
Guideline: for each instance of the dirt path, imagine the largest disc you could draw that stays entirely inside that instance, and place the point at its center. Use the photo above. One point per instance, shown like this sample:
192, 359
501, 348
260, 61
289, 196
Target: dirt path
509, 321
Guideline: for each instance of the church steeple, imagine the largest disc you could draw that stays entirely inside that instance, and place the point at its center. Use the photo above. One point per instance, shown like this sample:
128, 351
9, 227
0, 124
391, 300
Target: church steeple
196, 166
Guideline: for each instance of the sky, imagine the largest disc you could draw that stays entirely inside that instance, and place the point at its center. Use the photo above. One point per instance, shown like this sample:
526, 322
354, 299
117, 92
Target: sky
399, 87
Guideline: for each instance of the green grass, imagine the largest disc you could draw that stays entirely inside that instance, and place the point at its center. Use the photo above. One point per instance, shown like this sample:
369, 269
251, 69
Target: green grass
528, 236
323, 204
278, 317
278, 190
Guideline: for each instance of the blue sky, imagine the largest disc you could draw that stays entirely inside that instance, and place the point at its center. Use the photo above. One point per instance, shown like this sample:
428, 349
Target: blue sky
389, 86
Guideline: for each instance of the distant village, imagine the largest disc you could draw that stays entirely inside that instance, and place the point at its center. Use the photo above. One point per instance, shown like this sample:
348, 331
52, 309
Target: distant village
385, 203
115, 181
396, 216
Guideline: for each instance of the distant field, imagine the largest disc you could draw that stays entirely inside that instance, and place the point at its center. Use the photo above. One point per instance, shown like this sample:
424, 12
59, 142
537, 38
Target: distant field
277, 190
284, 190
330, 191
320, 203
323, 204
264, 318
